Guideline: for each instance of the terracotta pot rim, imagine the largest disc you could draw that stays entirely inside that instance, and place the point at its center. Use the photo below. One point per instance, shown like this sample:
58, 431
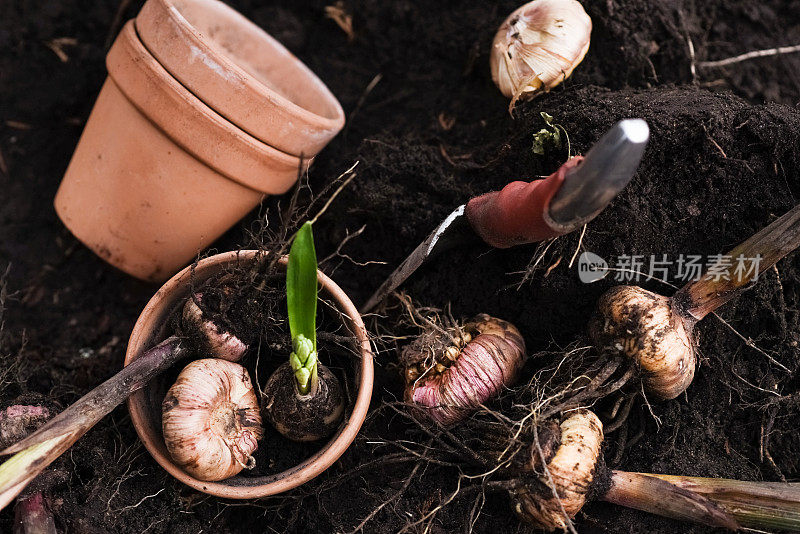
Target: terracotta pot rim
190, 123
289, 478
166, 21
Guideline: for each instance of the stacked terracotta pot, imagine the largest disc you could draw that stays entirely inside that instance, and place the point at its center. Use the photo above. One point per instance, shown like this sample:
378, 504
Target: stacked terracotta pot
202, 114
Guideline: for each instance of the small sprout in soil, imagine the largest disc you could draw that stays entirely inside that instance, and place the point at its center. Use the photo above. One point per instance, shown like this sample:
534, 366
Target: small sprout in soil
538, 46
303, 399
656, 332
211, 419
565, 468
550, 135
451, 372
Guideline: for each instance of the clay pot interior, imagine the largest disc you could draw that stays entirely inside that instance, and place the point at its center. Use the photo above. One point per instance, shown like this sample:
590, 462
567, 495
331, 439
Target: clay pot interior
274, 472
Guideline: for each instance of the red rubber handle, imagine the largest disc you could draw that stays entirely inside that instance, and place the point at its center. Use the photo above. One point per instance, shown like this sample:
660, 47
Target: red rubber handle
518, 214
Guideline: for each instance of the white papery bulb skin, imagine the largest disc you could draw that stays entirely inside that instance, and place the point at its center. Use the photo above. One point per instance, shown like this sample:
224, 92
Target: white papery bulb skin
538, 46
211, 419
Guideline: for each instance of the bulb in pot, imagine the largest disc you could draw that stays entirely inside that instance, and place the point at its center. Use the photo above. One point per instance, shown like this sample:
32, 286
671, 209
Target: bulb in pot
211, 420
571, 453
538, 46
209, 337
308, 416
649, 329
467, 368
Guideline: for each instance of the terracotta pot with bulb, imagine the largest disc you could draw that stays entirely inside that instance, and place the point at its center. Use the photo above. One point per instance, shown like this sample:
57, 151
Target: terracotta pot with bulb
201, 116
147, 404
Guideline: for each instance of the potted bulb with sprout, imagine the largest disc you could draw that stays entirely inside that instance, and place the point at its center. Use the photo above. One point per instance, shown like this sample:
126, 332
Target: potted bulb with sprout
226, 281
303, 399
203, 428
563, 469
655, 332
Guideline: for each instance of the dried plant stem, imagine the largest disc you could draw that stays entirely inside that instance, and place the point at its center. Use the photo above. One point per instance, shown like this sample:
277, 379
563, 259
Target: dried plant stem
348, 176
651, 494
725, 278
749, 55
759, 505
34, 453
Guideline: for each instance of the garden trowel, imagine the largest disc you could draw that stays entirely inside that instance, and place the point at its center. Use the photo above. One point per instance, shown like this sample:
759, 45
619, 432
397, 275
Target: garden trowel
527, 212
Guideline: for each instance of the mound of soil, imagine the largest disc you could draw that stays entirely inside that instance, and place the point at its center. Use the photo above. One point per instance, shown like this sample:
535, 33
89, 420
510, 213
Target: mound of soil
430, 130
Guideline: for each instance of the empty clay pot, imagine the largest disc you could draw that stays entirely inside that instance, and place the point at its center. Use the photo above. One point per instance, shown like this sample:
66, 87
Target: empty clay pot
159, 174
145, 405
241, 72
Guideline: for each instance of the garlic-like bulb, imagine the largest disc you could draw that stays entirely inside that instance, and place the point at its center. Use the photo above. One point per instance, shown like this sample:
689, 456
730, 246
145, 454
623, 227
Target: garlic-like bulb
538, 46
648, 329
211, 419
571, 454
209, 337
487, 356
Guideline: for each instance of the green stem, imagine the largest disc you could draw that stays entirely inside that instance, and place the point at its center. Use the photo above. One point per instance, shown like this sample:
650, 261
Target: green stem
303, 360
652, 494
301, 303
758, 505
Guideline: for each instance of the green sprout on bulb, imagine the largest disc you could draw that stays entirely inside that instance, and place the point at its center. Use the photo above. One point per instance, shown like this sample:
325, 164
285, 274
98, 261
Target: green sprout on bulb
303, 398
303, 360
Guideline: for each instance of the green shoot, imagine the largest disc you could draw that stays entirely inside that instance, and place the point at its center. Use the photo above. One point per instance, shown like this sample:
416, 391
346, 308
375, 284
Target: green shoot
551, 134
301, 299
24, 466
754, 505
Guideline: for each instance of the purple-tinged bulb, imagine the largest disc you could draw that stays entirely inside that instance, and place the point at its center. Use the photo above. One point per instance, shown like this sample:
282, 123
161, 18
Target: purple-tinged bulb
18, 421
210, 419
213, 340
450, 375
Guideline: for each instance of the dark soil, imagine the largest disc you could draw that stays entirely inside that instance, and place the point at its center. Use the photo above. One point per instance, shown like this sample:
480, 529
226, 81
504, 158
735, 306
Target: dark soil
433, 131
